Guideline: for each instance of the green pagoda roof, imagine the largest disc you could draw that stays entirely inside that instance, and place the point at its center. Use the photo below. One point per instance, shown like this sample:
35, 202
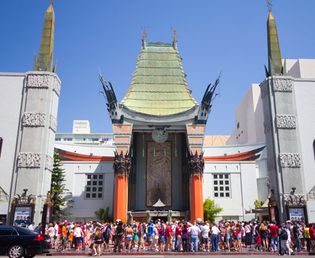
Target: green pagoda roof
158, 85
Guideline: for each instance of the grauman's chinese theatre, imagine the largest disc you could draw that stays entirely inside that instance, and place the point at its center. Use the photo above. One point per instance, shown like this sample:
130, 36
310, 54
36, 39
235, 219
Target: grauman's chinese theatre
158, 132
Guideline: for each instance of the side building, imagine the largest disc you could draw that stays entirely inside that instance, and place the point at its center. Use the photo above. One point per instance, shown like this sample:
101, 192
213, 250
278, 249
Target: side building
29, 105
284, 108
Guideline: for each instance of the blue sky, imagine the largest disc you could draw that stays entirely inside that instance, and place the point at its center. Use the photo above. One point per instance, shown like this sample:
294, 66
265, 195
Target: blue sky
214, 36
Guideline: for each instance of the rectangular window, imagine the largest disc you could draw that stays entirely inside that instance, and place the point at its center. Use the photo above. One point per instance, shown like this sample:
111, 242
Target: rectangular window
96, 191
221, 185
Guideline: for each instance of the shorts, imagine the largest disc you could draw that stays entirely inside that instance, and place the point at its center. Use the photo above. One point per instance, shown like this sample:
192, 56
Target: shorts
128, 238
204, 240
162, 239
78, 240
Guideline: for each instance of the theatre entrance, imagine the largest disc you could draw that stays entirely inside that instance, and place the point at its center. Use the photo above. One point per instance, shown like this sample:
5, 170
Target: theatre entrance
159, 174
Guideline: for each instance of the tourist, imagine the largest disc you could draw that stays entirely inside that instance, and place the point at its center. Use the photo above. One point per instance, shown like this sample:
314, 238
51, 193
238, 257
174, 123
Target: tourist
185, 235
194, 232
78, 234
178, 237
142, 235
227, 236
162, 236
150, 235
307, 237
248, 235
118, 236
168, 236
215, 231
129, 237
312, 237
155, 237
97, 241
107, 235
263, 230
51, 233
205, 230
274, 235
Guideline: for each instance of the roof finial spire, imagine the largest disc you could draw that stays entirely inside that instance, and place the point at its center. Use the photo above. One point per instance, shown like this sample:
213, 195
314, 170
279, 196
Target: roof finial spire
174, 37
144, 37
51, 1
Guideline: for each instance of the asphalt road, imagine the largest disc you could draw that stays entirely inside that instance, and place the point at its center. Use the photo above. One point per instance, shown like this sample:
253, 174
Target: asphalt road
178, 256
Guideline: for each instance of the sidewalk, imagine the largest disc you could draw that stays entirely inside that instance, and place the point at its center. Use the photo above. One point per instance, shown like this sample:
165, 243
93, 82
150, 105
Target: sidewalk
247, 252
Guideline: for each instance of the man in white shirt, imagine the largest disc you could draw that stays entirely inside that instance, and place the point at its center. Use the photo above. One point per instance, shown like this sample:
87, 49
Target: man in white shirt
194, 232
205, 236
215, 231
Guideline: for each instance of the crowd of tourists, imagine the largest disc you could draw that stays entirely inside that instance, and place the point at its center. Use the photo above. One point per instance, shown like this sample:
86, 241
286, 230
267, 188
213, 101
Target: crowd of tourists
181, 236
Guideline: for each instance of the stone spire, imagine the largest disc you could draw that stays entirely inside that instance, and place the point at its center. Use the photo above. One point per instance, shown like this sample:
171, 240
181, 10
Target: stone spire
44, 62
274, 55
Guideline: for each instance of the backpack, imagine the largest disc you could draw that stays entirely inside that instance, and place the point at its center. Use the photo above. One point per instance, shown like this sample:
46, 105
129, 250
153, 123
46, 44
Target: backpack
283, 234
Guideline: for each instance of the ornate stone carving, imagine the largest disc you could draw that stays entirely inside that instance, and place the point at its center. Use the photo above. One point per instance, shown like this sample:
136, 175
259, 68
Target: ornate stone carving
311, 194
284, 85
122, 164
38, 80
33, 119
53, 123
294, 200
24, 198
49, 164
29, 160
290, 160
286, 121
196, 163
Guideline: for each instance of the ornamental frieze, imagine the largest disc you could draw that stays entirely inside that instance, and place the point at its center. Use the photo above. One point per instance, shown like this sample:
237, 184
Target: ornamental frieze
29, 160
284, 85
290, 160
196, 163
33, 119
122, 164
38, 80
294, 200
286, 121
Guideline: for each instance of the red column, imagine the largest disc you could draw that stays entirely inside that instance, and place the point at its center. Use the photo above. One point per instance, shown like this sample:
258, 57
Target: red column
196, 197
120, 197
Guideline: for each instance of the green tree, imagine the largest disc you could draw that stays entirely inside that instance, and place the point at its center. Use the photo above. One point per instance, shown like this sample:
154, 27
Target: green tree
210, 210
103, 214
58, 190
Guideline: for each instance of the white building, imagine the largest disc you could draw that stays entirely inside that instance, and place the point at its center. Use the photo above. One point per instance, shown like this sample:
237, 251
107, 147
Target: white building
88, 162
28, 118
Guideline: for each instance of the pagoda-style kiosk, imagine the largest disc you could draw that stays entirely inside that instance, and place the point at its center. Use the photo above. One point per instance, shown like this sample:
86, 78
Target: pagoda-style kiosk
158, 132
